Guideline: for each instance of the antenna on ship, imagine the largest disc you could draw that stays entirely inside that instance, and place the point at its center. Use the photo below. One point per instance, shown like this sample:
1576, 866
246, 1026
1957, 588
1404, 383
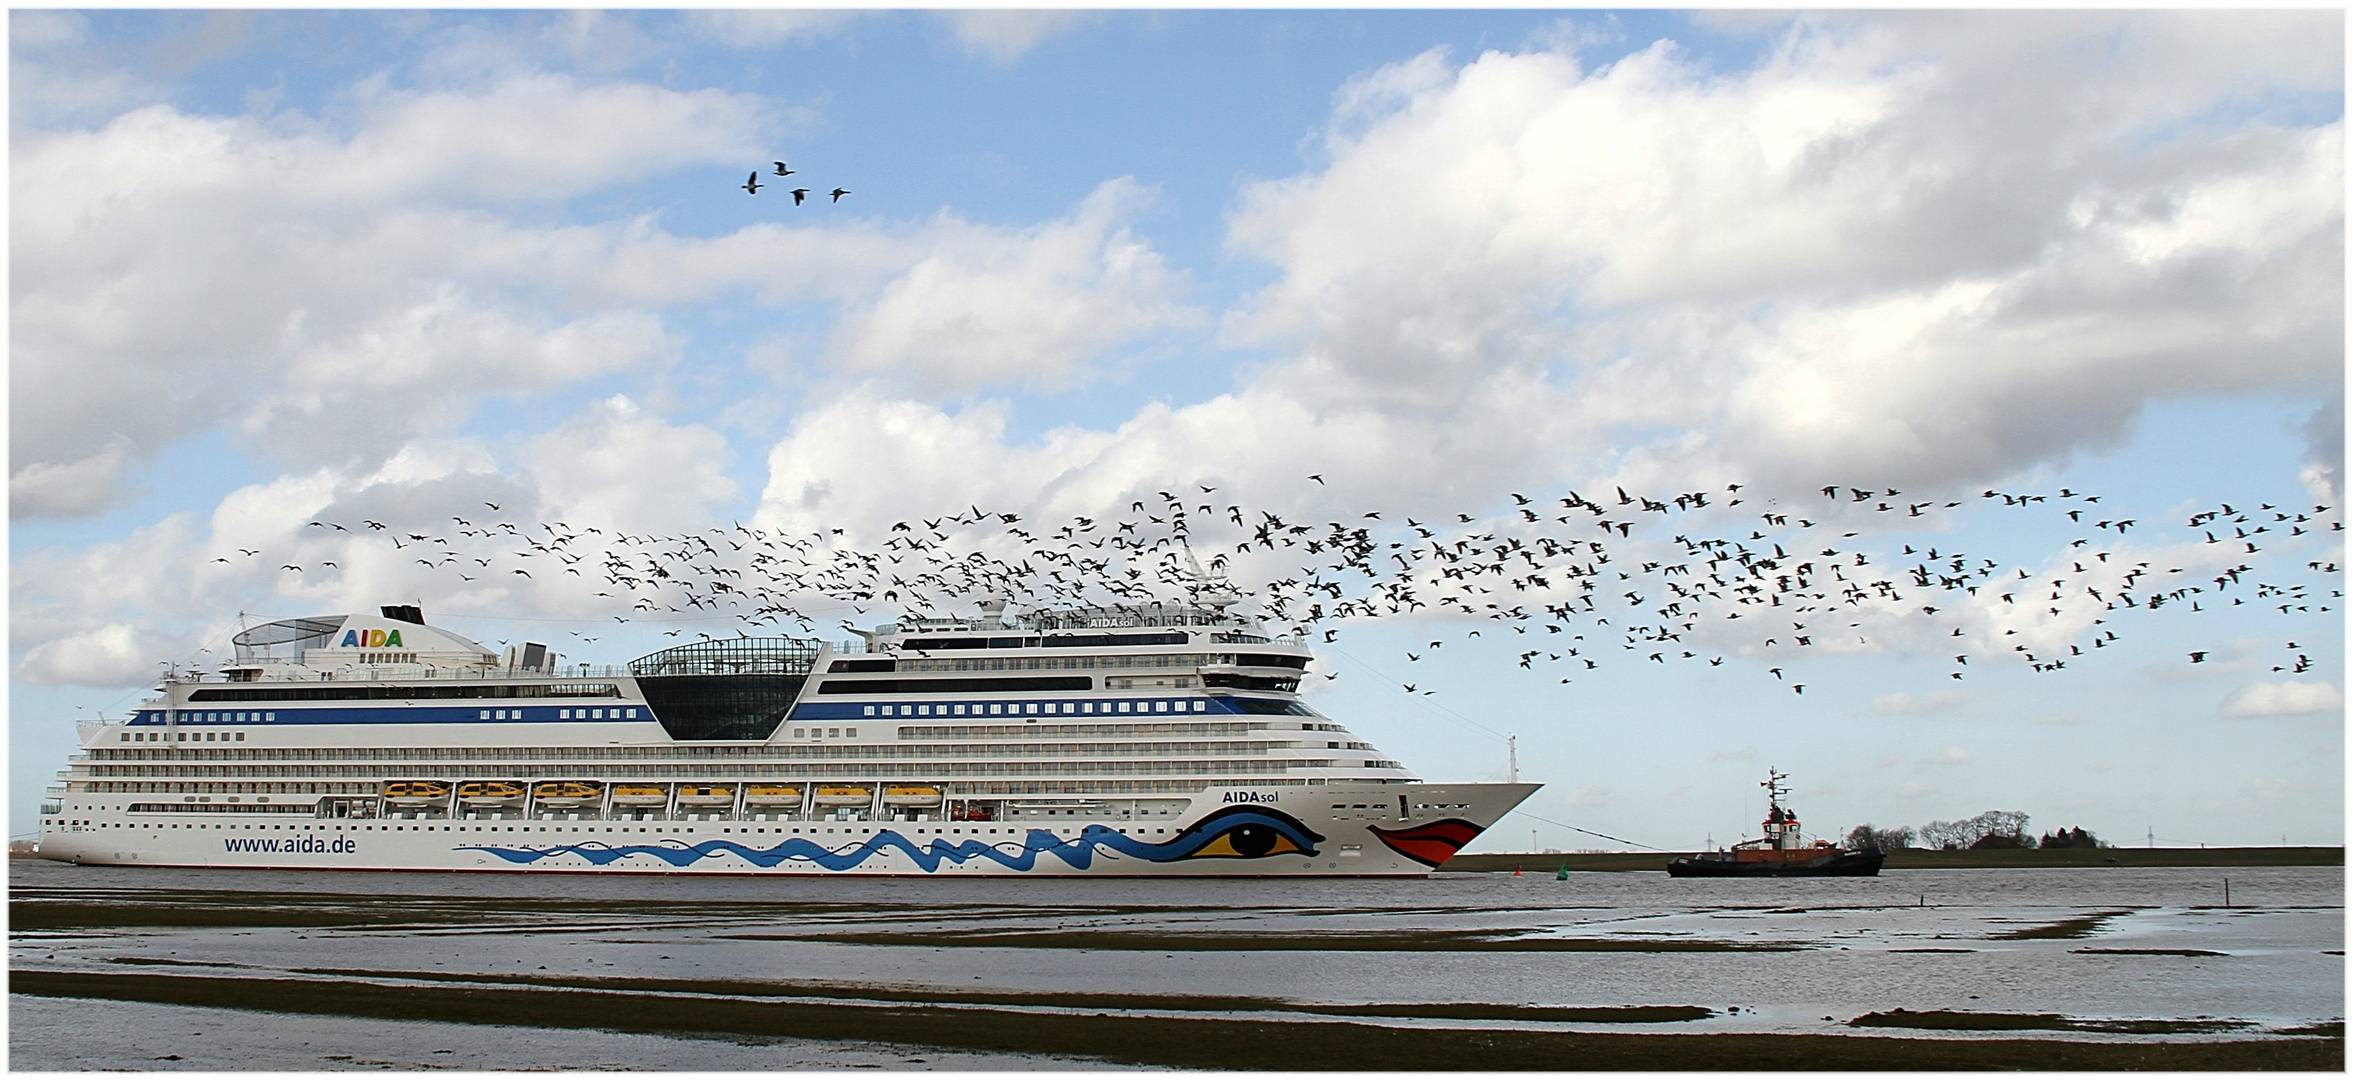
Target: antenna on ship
1209, 590
1511, 745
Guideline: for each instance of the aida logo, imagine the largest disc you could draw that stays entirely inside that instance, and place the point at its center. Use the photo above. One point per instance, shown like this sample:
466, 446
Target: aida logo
371, 639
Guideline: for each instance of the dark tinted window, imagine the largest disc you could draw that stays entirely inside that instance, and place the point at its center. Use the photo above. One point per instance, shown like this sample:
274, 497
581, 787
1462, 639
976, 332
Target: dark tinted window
1099, 641
929, 643
1263, 707
957, 686
720, 706
1251, 659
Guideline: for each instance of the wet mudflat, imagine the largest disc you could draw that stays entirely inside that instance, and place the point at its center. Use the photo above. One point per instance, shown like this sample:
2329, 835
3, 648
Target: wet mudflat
2074, 968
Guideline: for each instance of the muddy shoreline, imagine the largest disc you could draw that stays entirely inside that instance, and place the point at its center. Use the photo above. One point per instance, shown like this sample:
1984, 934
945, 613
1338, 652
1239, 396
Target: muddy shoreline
1323, 1044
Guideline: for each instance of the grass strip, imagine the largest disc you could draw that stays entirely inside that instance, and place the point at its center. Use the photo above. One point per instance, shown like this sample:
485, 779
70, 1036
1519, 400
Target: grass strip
1605, 1014
1182, 1043
2149, 952
1417, 941
1949, 1020
2080, 926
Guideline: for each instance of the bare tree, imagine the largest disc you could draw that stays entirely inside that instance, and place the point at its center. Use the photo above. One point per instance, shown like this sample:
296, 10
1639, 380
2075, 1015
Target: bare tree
1994, 828
1865, 836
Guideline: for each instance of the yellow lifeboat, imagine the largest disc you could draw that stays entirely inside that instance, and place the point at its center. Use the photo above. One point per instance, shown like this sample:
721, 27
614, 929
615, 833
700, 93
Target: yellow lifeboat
640, 795
416, 792
566, 792
489, 792
910, 795
705, 795
772, 795
844, 795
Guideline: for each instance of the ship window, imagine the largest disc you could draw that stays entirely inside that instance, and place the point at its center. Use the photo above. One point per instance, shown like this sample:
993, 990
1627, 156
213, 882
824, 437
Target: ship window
850, 732
1030, 709
833, 733
269, 718
800, 733
1200, 706
126, 736
1087, 707
996, 710
563, 714
869, 710
959, 710
1160, 706
485, 714
1124, 706
632, 715
240, 736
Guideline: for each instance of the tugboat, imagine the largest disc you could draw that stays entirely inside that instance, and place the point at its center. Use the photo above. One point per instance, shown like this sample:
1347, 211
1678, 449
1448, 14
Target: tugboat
1781, 853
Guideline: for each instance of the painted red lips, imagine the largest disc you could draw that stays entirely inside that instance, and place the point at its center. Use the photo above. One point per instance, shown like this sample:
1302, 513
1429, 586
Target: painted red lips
1429, 844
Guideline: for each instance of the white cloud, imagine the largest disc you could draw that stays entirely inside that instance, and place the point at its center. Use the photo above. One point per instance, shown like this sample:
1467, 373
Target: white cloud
620, 466
69, 490
330, 296
765, 28
2283, 699
1883, 252
116, 654
982, 306
1003, 35
1930, 704
1590, 796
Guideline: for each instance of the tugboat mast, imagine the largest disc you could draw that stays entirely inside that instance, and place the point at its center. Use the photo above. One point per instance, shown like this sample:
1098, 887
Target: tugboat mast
1781, 832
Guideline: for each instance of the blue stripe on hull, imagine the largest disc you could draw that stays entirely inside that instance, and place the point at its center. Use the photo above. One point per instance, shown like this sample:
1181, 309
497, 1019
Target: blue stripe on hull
278, 716
1272, 833
1096, 709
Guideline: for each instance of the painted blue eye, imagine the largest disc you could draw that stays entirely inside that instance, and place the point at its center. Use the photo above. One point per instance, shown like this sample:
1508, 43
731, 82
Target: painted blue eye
1239, 832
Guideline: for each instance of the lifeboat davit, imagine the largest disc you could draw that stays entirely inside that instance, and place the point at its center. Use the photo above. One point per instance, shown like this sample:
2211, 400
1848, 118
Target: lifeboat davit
705, 795
416, 792
489, 792
772, 795
566, 792
844, 795
640, 795
910, 795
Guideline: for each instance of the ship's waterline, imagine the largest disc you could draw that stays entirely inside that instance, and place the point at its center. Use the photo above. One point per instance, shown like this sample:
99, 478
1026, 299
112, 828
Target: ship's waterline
1165, 740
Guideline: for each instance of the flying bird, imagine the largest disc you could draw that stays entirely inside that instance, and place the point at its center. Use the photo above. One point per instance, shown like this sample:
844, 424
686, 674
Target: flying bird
781, 170
837, 193
753, 185
799, 194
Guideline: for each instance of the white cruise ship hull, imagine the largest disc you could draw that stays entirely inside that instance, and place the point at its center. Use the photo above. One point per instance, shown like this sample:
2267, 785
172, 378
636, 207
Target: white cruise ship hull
1325, 830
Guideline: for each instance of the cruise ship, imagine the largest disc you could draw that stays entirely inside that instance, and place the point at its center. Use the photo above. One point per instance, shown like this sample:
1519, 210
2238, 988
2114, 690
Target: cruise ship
1162, 739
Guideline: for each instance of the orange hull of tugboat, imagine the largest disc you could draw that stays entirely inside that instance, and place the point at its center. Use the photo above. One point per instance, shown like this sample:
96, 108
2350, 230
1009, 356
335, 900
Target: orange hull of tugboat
1779, 854
1820, 861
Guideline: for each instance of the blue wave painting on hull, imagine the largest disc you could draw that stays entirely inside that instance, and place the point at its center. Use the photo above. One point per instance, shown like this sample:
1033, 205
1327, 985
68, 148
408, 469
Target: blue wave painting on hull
1233, 833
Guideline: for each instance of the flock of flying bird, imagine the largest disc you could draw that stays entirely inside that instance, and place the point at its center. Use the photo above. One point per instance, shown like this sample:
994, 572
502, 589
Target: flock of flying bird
800, 194
1574, 580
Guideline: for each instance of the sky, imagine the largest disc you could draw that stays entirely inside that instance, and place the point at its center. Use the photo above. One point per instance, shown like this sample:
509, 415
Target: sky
269, 267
